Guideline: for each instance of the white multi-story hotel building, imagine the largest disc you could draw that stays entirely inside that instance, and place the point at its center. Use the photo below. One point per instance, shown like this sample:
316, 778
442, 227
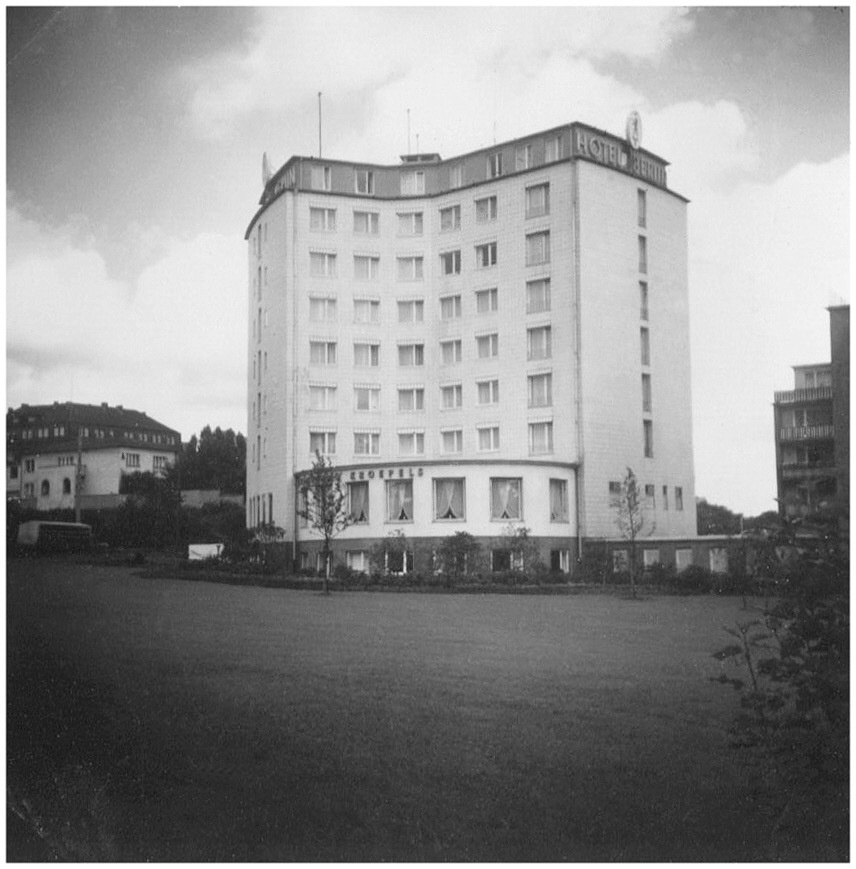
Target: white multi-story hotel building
476, 342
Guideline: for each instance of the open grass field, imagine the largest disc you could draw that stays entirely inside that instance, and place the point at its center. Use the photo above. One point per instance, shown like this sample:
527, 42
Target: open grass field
162, 720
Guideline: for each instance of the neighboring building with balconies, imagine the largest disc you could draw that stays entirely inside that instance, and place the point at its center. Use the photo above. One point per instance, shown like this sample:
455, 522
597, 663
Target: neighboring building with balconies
63, 455
812, 430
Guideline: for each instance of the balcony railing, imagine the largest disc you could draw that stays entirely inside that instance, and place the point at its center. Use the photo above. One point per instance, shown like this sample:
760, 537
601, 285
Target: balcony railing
807, 433
797, 396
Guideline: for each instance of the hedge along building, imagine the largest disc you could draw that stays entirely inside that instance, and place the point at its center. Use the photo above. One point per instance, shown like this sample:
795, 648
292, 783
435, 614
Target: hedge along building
476, 343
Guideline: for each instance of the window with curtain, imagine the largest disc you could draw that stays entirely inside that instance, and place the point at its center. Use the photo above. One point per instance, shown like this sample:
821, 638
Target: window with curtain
449, 499
558, 500
505, 500
358, 499
399, 500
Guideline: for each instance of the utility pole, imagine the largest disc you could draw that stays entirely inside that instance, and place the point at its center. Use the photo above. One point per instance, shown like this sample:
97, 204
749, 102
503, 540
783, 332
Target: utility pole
78, 476
319, 125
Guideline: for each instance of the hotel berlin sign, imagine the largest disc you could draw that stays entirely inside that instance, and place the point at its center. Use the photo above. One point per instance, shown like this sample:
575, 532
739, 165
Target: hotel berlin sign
591, 144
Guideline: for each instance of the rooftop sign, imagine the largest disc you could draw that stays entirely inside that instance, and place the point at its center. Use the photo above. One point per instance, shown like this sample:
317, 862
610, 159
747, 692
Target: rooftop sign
598, 147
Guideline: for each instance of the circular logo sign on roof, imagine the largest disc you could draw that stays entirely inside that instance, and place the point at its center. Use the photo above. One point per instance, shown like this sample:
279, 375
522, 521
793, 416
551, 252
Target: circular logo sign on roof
634, 129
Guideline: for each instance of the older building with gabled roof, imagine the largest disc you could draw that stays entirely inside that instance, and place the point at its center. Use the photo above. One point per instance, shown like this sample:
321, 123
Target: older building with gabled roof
55, 452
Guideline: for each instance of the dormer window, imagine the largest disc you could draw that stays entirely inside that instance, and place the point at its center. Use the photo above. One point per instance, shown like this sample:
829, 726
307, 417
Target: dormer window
364, 182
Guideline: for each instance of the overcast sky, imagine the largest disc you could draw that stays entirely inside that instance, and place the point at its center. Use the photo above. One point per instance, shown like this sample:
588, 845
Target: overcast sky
134, 151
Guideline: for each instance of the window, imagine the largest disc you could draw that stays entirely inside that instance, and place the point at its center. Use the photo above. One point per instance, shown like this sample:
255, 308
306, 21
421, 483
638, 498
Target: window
366, 222
665, 497
643, 254
412, 183
650, 495
560, 560
410, 268
132, 460
364, 181
13, 472
643, 300
29, 466
486, 209
66, 486
366, 354
366, 311
648, 438
646, 393
411, 443
449, 499
450, 352
410, 223
411, 398
538, 200
366, 397
494, 165
539, 342
450, 307
322, 352
642, 208
488, 437
366, 443
522, 157
645, 342
411, 354
487, 346
323, 442
506, 498
486, 255
551, 149
537, 248
366, 267
487, 300
452, 440
650, 557
450, 218
322, 265
488, 391
357, 560
46, 488
559, 500
540, 390
322, 219
540, 438
411, 311
320, 178
450, 262
358, 502
322, 309
537, 296
322, 397
683, 559
399, 500
679, 498
456, 176
451, 396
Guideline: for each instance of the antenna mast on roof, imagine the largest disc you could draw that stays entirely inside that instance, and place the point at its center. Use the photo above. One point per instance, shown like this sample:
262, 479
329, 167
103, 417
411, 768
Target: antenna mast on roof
408, 132
319, 125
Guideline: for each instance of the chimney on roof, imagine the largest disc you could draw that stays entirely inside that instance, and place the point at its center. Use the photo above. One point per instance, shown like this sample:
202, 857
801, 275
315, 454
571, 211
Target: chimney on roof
104, 405
119, 407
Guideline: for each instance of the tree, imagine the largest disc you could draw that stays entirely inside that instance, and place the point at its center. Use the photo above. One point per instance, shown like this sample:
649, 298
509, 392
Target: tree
216, 460
715, 519
460, 557
630, 518
324, 505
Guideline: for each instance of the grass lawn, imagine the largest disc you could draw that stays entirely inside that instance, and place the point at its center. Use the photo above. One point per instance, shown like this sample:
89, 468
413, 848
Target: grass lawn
160, 720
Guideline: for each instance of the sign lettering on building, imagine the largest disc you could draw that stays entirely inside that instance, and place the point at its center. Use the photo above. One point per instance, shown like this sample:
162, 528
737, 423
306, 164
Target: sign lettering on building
611, 151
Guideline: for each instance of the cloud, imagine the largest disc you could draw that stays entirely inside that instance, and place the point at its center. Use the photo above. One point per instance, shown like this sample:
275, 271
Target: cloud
171, 342
766, 260
291, 54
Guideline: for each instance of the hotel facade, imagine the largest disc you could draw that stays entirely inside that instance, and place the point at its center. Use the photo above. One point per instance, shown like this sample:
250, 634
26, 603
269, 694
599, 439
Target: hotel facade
479, 344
